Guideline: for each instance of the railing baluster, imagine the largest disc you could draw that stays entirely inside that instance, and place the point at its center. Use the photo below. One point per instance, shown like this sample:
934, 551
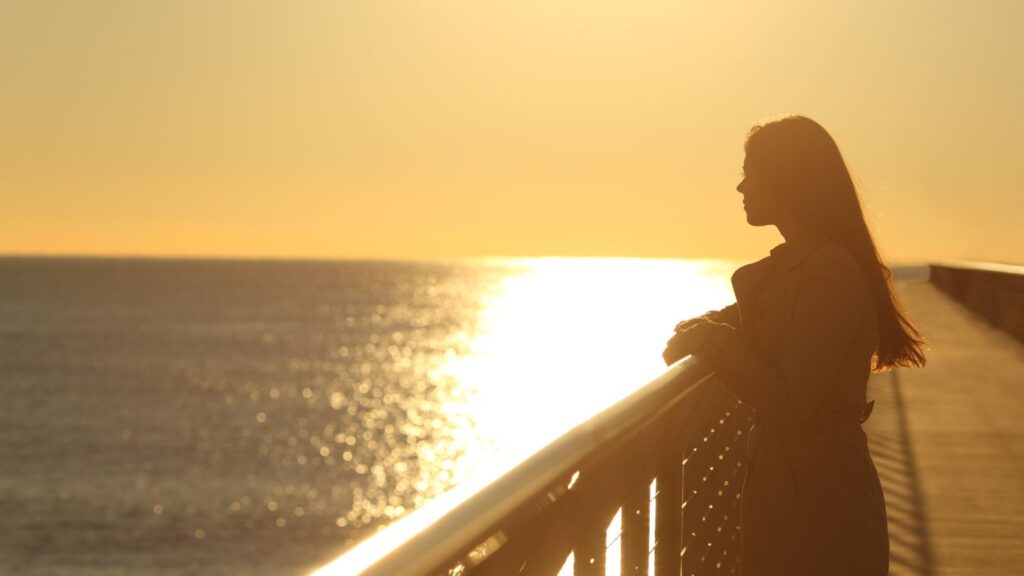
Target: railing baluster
636, 512
668, 511
589, 551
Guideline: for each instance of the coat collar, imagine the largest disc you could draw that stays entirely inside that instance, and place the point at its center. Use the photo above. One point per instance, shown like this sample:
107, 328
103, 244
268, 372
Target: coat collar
747, 280
790, 254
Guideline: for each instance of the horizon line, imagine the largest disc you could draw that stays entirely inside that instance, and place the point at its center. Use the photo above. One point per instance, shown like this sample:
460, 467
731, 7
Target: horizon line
400, 259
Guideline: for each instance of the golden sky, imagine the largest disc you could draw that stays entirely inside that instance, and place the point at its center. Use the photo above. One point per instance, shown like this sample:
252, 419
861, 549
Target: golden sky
389, 129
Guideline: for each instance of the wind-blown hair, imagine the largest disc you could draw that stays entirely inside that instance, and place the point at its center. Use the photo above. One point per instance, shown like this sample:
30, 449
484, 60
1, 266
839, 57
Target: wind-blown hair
801, 165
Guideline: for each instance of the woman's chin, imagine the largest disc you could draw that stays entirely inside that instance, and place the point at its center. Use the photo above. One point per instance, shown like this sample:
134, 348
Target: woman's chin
753, 220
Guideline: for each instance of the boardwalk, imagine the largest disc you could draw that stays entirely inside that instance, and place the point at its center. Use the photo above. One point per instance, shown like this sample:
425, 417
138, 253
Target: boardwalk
948, 441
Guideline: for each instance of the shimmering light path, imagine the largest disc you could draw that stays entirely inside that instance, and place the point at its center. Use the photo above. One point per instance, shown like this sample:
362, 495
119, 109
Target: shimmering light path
564, 336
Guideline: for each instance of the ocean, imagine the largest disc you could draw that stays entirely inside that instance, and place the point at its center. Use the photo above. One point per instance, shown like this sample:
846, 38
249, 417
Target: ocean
258, 417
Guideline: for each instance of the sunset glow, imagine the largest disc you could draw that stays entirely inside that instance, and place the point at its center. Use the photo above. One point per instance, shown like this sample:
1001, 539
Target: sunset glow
565, 128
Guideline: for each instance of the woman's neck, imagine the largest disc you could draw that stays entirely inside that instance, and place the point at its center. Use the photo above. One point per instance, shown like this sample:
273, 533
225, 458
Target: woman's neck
798, 235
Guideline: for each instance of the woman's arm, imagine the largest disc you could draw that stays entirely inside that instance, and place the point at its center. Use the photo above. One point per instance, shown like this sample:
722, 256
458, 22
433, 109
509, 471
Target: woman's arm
729, 315
827, 317
690, 334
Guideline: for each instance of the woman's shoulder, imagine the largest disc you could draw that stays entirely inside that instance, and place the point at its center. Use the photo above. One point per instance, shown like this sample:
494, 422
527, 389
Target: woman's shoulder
833, 257
834, 265
837, 276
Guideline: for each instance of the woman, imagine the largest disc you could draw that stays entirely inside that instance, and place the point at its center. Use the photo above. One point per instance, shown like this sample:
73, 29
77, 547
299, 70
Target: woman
810, 323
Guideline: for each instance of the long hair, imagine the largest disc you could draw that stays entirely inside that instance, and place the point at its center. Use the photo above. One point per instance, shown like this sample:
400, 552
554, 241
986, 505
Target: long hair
801, 165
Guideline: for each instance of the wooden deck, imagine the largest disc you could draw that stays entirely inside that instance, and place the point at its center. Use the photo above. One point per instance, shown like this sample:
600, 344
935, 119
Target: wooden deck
948, 442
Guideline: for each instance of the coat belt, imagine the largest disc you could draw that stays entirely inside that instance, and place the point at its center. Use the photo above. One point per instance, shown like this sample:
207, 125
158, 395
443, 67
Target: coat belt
861, 415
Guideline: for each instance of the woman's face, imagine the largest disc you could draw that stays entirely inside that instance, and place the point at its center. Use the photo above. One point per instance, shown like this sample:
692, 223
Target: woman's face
758, 202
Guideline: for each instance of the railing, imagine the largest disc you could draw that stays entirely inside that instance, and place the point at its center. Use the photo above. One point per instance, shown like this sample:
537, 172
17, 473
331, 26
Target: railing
662, 468
995, 291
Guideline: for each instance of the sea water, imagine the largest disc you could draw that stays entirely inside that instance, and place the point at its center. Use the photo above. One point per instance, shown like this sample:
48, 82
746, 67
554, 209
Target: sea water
258, 417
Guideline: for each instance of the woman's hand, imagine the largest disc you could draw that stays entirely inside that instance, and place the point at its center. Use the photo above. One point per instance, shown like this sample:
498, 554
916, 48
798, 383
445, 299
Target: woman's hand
696, 336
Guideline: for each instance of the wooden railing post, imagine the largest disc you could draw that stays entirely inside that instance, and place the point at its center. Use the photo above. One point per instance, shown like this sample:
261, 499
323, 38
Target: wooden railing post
588, 553
636, 522
668, 520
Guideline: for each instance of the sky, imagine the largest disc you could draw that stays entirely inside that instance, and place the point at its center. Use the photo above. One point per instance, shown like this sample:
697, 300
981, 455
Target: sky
409, 130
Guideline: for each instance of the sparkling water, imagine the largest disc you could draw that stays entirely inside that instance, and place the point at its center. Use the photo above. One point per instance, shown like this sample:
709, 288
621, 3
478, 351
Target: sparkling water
257, 417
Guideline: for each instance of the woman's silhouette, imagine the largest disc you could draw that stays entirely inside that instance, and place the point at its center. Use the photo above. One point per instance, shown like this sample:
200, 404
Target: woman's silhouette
810, 323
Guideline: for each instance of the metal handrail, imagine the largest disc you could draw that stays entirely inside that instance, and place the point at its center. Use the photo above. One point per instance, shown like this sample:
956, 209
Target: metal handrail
466, 519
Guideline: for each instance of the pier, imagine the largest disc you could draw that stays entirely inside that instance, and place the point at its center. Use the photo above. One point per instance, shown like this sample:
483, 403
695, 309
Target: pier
651, 484
948, 441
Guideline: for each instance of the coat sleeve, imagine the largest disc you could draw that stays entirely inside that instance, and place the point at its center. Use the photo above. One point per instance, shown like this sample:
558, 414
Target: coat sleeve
729, 315
827, 316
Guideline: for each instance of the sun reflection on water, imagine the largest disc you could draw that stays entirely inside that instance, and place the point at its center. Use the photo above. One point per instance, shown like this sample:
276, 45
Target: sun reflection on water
564, 337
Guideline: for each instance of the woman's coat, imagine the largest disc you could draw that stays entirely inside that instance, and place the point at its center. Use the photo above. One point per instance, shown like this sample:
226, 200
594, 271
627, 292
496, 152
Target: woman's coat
801, 356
